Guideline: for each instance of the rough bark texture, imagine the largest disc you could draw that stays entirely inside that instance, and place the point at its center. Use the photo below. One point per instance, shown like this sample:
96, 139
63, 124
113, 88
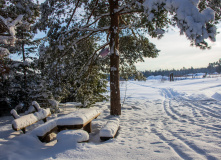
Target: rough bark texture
114, 60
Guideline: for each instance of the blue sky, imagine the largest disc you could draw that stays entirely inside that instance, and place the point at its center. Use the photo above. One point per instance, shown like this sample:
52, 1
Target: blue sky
177, 53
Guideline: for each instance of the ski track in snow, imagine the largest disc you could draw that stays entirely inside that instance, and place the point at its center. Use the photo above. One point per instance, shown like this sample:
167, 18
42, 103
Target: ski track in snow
181, 118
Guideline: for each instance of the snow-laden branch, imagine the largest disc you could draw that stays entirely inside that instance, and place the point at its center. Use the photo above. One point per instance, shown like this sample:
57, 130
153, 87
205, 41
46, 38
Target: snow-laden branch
188, 18
126, 9
10, 27
3, 51
12, 24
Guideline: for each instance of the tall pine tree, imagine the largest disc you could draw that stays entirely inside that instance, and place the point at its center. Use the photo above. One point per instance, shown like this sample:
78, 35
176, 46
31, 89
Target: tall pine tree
113, 21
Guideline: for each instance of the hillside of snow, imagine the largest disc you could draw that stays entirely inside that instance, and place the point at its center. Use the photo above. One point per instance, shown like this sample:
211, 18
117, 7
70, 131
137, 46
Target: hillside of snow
160, 120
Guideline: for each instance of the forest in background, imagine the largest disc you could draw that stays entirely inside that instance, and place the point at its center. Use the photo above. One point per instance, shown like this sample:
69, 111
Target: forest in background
210, 69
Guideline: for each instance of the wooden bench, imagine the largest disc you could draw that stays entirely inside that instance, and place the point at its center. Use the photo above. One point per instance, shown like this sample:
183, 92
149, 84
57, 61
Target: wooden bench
110, 129
21, 122
76, 120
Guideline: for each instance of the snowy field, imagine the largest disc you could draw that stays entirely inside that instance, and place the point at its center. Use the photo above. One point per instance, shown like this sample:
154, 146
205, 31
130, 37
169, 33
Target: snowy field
160, 120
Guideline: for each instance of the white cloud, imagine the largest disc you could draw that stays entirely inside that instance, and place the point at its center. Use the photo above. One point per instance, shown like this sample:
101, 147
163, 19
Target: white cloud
177, 53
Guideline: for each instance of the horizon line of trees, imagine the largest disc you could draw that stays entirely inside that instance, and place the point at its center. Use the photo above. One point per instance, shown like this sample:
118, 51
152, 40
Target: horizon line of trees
211, 68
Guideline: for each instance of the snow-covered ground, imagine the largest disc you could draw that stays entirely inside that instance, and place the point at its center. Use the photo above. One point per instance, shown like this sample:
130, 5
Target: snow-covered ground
160, 120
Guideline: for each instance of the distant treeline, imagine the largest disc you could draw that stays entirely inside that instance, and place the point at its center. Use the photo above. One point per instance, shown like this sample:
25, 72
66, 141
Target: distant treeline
212, 67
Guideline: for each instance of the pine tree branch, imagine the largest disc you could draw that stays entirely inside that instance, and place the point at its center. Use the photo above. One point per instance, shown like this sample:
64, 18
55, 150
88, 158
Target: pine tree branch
92, 12
92, 31
127, 9
101, 16
88, 25
73, 13
130, 12
128, 27
86, 36
91, 59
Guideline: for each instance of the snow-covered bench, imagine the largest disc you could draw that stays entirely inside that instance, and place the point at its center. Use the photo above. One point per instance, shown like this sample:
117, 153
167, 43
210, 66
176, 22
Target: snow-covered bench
110, 129
76, 120
21, 122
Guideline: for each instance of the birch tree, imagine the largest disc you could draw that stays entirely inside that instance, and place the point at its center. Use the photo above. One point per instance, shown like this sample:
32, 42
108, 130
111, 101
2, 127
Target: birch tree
112, 21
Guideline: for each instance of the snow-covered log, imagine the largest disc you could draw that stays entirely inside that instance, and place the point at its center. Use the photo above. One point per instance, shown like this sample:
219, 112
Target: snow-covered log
36, 105
110, 129
14, 114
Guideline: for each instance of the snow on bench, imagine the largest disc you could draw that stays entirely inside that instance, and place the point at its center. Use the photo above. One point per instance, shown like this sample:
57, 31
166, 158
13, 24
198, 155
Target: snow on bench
110, 129
76, 120
21, 122
71, 136
45, 128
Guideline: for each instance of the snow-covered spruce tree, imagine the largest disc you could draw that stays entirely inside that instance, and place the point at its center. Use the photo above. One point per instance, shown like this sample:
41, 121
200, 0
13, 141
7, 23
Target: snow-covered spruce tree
7, 38
21, 73
110, 20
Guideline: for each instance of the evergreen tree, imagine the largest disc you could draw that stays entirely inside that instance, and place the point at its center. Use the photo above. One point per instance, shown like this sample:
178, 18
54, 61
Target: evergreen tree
216, 66
67, 78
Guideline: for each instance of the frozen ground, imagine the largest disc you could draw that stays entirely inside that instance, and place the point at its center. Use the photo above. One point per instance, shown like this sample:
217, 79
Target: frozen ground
160, 120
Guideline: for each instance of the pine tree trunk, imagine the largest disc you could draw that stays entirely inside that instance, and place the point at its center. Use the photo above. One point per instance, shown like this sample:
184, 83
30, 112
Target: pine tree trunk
114, 60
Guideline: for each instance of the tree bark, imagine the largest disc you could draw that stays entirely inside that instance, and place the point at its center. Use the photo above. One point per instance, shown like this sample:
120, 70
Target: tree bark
114, 60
